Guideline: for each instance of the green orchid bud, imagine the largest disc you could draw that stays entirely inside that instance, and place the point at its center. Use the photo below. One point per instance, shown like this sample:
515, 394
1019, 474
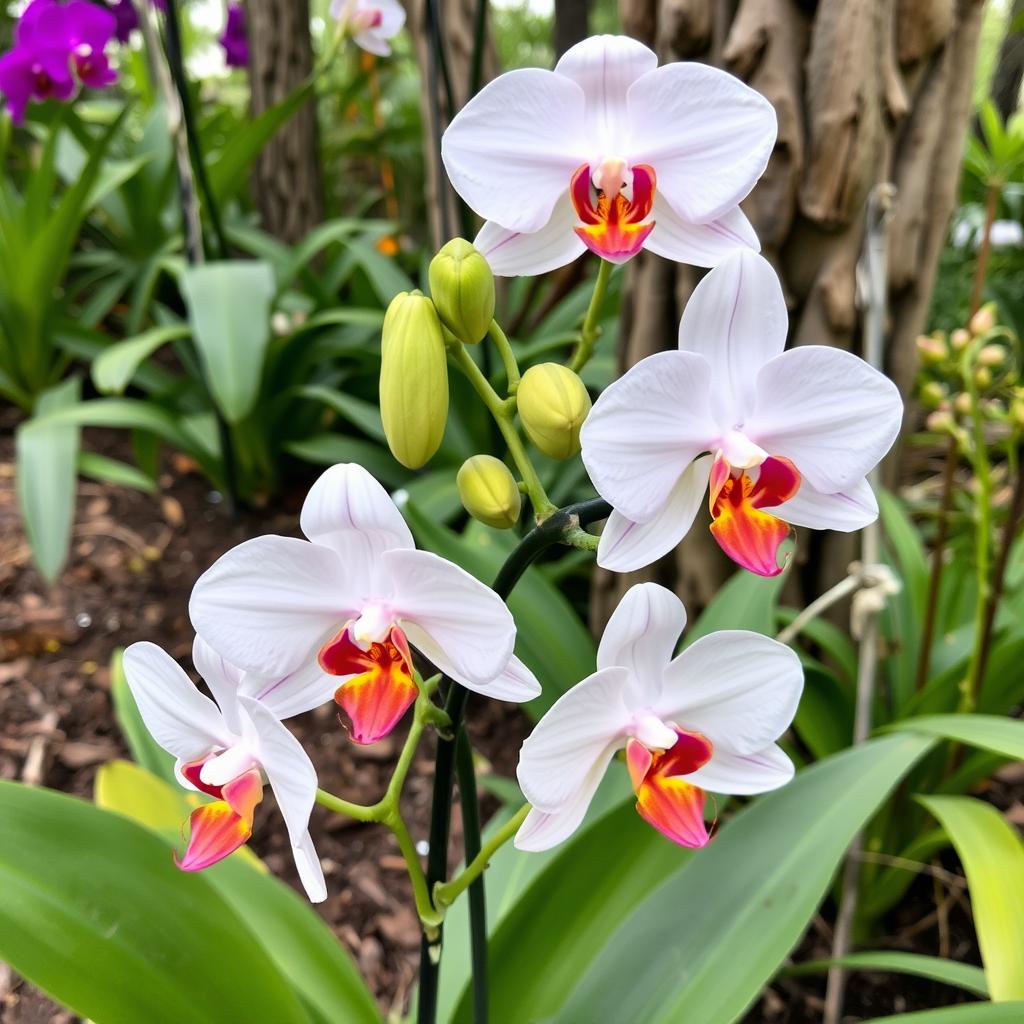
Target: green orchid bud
413, 379
462, 287
553, 403
489, 491
984, 320
933, 394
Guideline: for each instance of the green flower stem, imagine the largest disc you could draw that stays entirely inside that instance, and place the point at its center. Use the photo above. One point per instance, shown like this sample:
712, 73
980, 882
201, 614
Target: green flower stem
508, 357
446, 893
983, 534
360, 812
429, 917
503, 411
591, 331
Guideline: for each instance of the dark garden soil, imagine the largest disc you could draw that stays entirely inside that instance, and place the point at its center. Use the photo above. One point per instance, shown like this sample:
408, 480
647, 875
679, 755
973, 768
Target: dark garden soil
134, 560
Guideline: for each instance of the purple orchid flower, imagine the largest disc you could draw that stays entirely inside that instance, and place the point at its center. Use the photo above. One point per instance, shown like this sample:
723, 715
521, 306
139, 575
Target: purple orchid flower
234, 41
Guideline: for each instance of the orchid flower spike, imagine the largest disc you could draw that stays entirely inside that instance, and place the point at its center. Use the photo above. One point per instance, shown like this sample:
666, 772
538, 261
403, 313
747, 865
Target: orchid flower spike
791, 435
371, 23
610, 153
228, 748
353, 598
705, 720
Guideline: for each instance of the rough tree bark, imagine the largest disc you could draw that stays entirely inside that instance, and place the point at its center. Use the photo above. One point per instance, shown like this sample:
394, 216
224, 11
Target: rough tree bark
286, 183
572, 18
865, 91
1010, 66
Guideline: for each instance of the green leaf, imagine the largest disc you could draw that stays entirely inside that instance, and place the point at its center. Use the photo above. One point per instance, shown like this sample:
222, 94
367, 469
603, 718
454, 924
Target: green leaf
129, 789
993, 859
113, 369
95, 913
229, 309
328, 449
46, 454
1003, 736
949, 972
969, 1013
141, 744
113, 471
357, 411
746, 601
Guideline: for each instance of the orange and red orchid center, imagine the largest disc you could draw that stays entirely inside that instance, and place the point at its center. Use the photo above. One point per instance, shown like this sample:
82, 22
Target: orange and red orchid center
664, 798
614, 226
381, 688
749, 536
219, 828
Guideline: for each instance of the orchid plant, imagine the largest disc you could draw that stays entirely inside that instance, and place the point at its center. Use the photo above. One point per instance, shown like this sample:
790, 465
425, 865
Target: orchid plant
608, 154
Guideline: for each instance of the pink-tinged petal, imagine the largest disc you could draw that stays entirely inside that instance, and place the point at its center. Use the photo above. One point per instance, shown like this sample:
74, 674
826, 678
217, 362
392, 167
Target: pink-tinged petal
512, 149
311, 873
749, 536
846, 511
739, 689
516, 683
221, 677
457, 614
625, 546
707, 135
827, 411
378, 687
289, 770
744, 774
641, 636
614, 227
182, 720
267, 604
221, 768
581, 730
392, 17
646, 428
349, 511
700, 245
638, 760
605, 67
737, 320
306, 688
220, 828
513, 253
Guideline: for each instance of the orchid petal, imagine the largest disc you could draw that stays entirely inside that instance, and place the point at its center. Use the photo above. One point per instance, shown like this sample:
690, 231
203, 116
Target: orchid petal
699, 245
675, 807
289, 770
737, 688
641, 636
516, 683
743, 774
182, 720
721, 136
605, 67
827, 411
465, 619
217, 829
221, 677
737, 320
625, 546
268, 604
515, 253
578, 732
646, 428
847, 510
300, 691
512, 149
311, 874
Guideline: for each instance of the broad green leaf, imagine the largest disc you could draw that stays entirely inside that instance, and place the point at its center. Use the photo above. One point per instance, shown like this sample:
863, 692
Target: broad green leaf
129, 789
96, 913
113, 471
824, 719
1003, 736
969, 1013
993, 859
142, 746
328, 449
113, 369
746, 601
949, 972
706, 941
229, 309
357, 411
46, 454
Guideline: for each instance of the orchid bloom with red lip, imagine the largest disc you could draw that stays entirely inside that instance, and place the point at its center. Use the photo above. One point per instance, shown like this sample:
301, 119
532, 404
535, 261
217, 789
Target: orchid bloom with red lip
610, 153
226, 749
791, 436
706, 720
371, 23
355, 598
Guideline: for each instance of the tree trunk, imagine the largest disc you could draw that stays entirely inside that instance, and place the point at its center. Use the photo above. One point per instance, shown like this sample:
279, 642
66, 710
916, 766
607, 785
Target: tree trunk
1010, 66
286, 182
866, 91
572, 23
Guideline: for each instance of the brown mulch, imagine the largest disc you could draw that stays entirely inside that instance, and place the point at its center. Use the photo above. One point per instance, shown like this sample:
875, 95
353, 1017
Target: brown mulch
133, 562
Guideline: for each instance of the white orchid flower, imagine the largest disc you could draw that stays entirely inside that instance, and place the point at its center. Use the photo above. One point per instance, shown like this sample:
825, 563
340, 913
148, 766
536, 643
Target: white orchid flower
706, 720
611, 153
353, 598
371, 23
226, 749
791, 435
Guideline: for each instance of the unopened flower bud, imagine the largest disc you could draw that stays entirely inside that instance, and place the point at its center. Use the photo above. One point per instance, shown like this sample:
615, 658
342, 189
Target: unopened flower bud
984, 320
462, 287
553, 403
962, 403
991, 355
1017, 412
932, 350
489, 491
959, 339
413, 379
932, 394
939, 422
983, 377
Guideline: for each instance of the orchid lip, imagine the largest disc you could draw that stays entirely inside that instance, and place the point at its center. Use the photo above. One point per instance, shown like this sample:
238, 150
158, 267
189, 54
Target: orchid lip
614, 226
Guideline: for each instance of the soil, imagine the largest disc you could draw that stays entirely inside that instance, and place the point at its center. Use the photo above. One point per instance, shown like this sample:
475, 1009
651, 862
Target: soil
133, 562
